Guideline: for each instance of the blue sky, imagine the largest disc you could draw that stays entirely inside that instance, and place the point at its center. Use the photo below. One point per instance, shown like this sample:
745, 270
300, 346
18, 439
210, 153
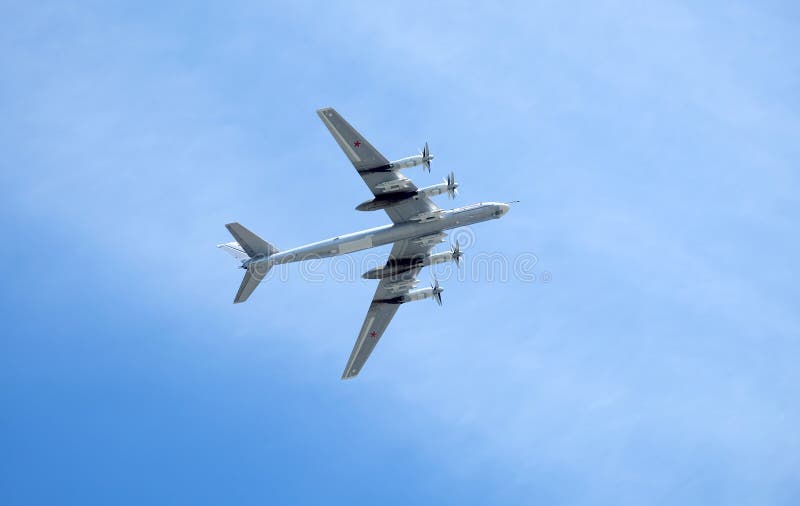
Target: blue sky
654, 149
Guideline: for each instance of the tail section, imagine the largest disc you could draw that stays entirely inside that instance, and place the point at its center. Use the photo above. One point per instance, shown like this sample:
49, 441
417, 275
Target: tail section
246, 247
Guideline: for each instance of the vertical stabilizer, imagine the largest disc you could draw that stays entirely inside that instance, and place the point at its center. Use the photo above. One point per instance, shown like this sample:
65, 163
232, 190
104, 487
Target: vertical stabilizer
252, 244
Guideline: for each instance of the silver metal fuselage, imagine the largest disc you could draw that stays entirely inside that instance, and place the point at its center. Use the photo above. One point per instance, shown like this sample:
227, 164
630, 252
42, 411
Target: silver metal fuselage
387, 234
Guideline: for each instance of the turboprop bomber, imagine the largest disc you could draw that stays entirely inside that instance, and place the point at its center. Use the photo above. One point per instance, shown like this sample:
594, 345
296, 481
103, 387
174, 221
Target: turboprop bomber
418, 226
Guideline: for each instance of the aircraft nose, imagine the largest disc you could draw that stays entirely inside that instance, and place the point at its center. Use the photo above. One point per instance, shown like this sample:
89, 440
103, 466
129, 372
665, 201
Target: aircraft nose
503, 208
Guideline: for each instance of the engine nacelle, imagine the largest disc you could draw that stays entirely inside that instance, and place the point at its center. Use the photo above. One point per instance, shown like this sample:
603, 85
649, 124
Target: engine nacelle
435, 292
423, 158
408, 162
439, 258
393, 268
432, 191
448, 186
414, 295
419, 294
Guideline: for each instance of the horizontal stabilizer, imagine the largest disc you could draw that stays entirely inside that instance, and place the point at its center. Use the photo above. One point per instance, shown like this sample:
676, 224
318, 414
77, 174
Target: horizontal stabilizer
235, 250
252, 277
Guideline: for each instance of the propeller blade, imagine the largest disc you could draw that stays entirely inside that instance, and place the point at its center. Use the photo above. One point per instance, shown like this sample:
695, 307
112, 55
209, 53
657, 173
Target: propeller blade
437, 290
452, 186
457, 254
426, 157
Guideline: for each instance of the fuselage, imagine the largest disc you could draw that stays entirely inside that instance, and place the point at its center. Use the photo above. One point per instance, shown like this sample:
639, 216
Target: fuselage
387, 234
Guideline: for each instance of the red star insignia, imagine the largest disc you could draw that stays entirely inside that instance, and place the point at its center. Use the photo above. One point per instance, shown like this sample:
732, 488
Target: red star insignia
357, 143
373, 333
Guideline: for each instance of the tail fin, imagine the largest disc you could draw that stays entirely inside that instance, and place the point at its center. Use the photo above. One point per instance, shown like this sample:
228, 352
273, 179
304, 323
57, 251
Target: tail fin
252, 244
247, 246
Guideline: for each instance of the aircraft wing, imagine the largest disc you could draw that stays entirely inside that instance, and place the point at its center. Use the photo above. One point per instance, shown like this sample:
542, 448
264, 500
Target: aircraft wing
379, 316
375, 169
381, 311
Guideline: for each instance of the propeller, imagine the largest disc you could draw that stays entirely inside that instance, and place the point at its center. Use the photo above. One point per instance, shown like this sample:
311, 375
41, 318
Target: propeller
437, 291
457, 254
426, 157
452, 186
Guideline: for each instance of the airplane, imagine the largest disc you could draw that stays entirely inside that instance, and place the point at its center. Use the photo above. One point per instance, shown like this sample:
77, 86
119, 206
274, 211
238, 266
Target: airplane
418, 225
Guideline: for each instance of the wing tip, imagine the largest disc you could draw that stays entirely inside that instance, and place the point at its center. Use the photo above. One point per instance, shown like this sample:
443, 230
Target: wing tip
349, 374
